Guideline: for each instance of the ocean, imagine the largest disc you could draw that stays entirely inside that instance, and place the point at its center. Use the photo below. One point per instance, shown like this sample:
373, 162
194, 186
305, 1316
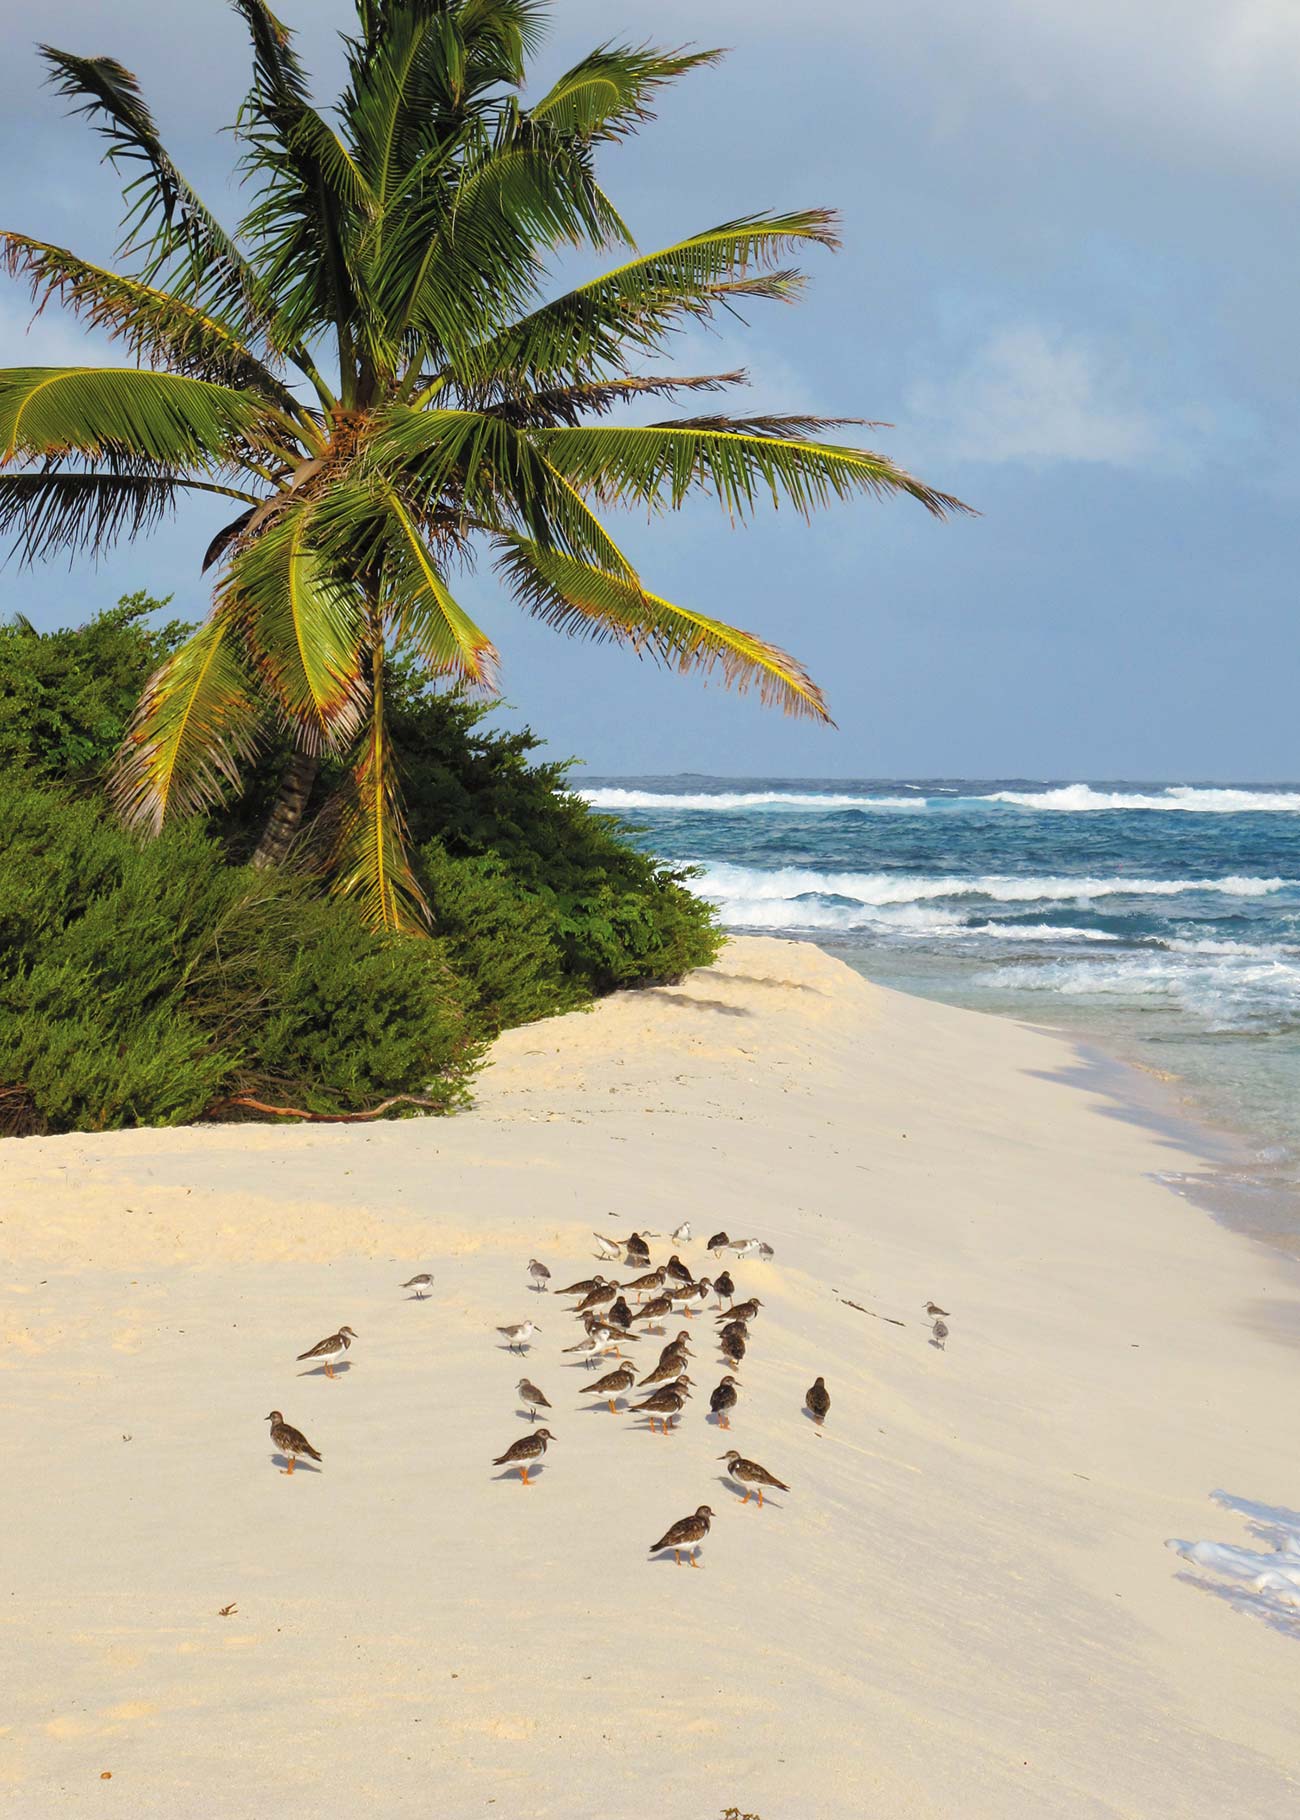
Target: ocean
1158, 922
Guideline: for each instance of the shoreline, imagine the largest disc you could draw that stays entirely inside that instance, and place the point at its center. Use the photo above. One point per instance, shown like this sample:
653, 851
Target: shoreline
965, 1603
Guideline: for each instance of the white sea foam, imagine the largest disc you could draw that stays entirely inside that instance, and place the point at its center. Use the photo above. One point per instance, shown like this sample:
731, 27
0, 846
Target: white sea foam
730, 884
1225, 992
1082, 798
607, 797
1263, 1580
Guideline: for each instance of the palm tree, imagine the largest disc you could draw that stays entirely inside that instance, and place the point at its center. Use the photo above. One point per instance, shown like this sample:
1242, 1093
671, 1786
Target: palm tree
371, 370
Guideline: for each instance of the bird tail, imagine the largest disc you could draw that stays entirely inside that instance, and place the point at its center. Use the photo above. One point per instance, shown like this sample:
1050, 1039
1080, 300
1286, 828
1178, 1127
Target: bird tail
310, 1452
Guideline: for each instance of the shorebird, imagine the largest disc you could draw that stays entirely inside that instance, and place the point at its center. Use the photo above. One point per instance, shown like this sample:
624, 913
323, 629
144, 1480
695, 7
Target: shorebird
667, 1403
670, 1367
749, 1472
656, 1310
732, 1347
609, 1251
526, 1448
588, 1349
519, 1334
539, 1273
613, 1384
742, 1311
290, 1441
675, 1269
530, 1394
595, 1298
751, 1248
421, 1285
939, 1335
718, 1243
933, 1308
585, 1287
610, 1339
723, 1286
636, 1251
693, 1296
686, 1534
818, 1401
618, 1314
682, 1236
653, 1279
723, 1399
330, 1349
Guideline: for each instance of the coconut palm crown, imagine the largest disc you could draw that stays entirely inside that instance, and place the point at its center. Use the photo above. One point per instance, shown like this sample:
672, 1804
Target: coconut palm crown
371, 369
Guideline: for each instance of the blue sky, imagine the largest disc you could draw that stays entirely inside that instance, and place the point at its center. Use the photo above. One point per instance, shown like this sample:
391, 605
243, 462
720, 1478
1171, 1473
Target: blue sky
1068, 280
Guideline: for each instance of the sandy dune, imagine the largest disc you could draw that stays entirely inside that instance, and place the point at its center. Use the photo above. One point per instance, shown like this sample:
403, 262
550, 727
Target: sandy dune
963, 1607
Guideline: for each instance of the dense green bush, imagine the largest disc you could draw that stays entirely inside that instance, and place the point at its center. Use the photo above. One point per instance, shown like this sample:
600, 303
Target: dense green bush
146, 982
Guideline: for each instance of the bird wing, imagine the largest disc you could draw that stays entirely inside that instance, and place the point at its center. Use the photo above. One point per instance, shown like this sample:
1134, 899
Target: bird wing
332, 1344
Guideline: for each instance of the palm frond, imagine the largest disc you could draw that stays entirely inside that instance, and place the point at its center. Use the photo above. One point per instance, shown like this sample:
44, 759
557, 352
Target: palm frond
582, 601
154, 325
423, 613
166, 220
594, 397
141, 418
660, 466
303, 627
607, 95
83, 514
197, 725
370, 861
589, 329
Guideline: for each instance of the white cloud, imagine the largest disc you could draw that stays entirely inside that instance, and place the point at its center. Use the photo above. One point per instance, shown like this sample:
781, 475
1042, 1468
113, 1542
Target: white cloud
1037, 395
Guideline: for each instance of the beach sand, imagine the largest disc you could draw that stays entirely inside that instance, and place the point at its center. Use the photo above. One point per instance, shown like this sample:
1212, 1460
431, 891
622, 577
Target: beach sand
964, 1606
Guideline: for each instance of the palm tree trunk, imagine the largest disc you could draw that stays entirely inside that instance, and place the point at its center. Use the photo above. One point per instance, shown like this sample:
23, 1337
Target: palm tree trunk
287, 810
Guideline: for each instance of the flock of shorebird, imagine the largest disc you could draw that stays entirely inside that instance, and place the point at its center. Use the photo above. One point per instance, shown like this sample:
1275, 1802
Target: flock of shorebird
609, 1323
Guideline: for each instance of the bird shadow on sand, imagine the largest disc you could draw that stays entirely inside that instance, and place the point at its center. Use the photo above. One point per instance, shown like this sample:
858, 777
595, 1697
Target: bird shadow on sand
282, 1461
319, 1371
666, 1560
529, 1417
535, 1472
717, 1421
520, 1352
599, 1406
738, 1493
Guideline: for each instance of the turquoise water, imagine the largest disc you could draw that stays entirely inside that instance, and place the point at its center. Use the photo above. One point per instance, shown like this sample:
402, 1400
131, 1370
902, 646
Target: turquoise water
1161, 922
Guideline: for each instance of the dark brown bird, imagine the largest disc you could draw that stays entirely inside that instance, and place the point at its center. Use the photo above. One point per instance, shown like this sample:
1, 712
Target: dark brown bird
723, 1399
732, 1346
686, 1534
530, 1394
667, 1403
613, 1385
526, 1448
749, 1472
681, 1344
594, 1298
743, 1311
734, 1328
818, 1401
585, 1287
725, 1287
653, 1279
656, 1310
636, 1250
670, 1366
933, 1308
618, 1314
330, 1349
292, 1443
677, 1270
717, 1243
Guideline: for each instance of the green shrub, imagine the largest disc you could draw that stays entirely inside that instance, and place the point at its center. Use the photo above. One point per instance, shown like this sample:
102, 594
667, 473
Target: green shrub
144, 982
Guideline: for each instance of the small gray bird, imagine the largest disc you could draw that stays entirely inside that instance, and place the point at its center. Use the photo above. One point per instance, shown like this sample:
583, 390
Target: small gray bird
518, 1334
539, 1273
421, 1285
933, 1308
530, 1394
939, 1335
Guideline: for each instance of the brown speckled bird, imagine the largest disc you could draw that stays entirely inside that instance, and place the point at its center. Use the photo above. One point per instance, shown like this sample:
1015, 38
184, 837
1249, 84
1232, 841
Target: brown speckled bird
818, 1401
723, 1399
743, 1311
717, 1243
723, 1286
330, 1349
933, 1308
667, 1403
636, 1250
749, 1472
597, 1297
613, 1385
656, 1310
618, 1314
292, 1443
585, 1287
526, 1448
677, 1270
669, 1367
686, 1534
653, 1279
732, 1347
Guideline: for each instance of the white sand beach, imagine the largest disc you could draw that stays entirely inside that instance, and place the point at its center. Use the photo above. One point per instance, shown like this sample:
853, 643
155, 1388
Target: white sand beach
964, 1605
